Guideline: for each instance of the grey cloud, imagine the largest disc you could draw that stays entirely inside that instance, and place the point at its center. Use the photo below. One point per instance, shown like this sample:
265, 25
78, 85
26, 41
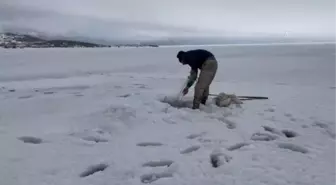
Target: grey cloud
55, 23
152, 19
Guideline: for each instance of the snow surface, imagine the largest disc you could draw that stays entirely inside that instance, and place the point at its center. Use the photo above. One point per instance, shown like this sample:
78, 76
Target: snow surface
95, 116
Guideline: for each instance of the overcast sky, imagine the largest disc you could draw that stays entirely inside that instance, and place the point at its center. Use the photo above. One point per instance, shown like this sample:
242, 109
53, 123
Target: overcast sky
163, 18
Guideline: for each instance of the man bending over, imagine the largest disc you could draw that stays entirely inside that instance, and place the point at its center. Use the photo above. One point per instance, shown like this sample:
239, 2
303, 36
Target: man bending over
204, 61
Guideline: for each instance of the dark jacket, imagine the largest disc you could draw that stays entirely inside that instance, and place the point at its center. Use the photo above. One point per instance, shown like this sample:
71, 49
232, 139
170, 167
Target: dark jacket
196, 58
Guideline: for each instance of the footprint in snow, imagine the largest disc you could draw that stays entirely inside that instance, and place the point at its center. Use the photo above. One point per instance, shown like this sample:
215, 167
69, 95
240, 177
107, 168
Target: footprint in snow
95, 135
158, 163
208, 141
291, 117
293, 147
96, 139
270, 109
218, 159
93, 169
326, 128
25, 97
147, 144
263, 137
229, 124
190, 149
169, 121
124, 96
31, 139
48, 92
320, 124
237, 146
286, 133
151, 177
154, 176
193, 136
288, 115
141, 86
273, 130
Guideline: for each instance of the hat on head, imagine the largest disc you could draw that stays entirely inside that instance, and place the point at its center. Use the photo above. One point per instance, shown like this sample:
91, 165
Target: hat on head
180, 54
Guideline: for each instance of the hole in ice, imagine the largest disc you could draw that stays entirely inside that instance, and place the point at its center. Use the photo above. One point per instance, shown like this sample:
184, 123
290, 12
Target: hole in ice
293, 147
94, 169
158, 163
289, 133
30, 139
218, 159
144, 144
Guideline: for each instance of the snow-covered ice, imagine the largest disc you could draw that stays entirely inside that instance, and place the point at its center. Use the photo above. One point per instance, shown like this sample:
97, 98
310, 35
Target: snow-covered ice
96, 116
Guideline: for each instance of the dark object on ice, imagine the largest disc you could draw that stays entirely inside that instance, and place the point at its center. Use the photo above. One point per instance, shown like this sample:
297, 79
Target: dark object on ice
247, 97
253, 97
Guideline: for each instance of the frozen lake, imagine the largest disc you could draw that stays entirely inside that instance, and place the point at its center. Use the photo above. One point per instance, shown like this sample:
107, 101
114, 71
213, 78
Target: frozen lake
94, 116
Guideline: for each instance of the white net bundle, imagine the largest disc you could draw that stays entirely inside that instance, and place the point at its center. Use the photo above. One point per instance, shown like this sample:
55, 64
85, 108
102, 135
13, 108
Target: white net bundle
225, 100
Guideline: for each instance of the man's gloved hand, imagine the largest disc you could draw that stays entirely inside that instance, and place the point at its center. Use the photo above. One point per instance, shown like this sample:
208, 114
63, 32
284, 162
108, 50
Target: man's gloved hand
185, 91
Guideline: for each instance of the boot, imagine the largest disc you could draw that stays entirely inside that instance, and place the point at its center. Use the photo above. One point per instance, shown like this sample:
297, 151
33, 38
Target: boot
195, 105
204, 100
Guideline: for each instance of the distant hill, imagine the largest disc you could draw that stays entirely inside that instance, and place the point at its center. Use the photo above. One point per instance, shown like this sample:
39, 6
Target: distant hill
71, 43
14, 40
22, 38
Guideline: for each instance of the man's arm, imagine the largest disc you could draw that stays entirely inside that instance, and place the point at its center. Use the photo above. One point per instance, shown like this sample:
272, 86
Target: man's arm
192, 77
